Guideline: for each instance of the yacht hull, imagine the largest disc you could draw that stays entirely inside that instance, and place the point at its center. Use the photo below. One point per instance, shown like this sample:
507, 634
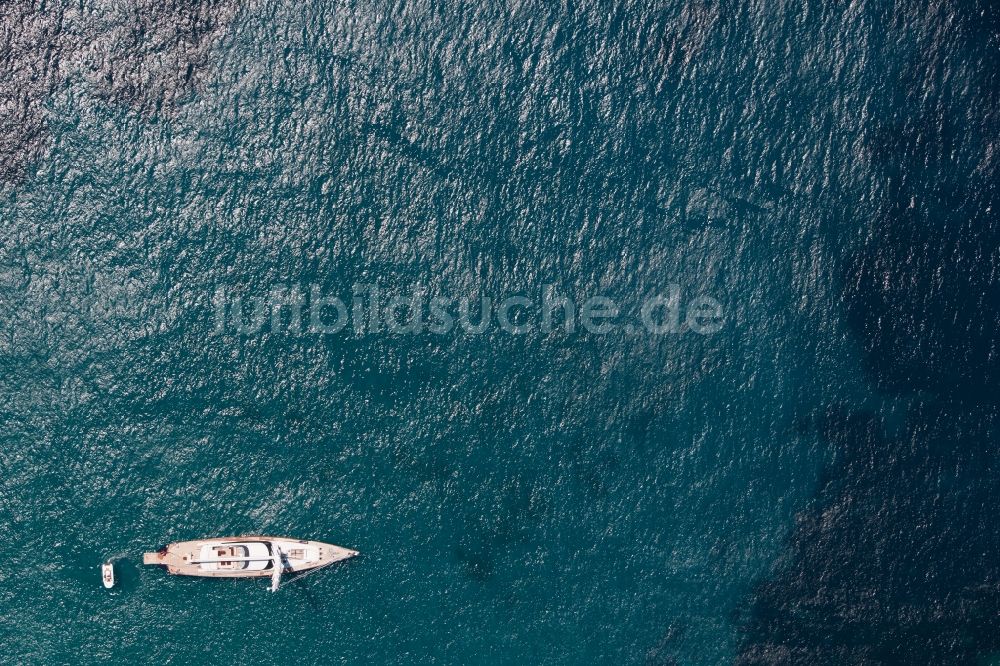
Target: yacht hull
244, 556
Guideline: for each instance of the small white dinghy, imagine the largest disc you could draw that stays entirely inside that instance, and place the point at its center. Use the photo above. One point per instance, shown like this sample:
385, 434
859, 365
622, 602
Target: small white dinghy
108, 574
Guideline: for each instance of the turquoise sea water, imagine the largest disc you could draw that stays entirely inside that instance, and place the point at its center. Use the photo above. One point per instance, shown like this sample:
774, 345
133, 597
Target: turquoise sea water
814, 483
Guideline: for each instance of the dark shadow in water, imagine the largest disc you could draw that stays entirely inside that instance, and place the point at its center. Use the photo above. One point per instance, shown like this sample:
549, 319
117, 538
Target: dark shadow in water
478, 563
302, 590
895, 561
923, 299
148, 54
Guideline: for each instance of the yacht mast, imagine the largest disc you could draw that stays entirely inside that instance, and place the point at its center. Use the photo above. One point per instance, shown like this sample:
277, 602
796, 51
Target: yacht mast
278, 566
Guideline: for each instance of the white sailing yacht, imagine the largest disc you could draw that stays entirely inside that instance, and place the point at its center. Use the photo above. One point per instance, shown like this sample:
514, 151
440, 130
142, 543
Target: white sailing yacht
246, 557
